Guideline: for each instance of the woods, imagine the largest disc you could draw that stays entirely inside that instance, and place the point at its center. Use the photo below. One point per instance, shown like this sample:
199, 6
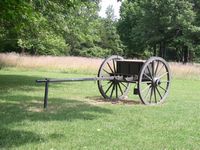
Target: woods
166, 28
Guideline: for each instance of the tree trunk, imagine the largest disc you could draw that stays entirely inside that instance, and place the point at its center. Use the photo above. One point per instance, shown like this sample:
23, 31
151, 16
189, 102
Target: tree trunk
22, 50
162, 49
185, 54
154, 50
191, 56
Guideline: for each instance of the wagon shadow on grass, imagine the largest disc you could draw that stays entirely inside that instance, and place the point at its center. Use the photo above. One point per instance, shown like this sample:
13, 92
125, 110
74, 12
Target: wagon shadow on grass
19, 108
14, 112
13, 138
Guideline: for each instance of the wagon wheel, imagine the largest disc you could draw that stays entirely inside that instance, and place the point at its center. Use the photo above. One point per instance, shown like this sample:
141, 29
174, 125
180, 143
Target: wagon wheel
111, 89
154, 81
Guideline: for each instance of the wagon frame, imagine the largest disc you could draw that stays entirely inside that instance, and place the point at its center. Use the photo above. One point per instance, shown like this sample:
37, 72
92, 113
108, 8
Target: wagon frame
152, 78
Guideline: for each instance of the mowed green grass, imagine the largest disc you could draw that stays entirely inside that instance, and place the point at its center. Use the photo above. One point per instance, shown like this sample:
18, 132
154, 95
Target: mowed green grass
78, 118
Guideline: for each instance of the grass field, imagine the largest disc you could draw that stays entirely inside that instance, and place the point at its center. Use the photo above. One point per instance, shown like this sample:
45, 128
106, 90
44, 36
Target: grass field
78, 118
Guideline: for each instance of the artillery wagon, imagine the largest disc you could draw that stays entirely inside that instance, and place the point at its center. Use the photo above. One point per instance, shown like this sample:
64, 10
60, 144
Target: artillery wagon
151, 78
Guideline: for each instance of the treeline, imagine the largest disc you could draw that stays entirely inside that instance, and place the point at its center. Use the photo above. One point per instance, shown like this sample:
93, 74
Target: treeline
56, 27
167, 28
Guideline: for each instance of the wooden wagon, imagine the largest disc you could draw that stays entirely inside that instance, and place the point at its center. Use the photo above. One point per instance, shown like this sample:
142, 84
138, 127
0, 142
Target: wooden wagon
151, 78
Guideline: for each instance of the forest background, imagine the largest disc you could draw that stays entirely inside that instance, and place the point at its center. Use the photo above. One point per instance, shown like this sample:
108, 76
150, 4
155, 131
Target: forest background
166, 28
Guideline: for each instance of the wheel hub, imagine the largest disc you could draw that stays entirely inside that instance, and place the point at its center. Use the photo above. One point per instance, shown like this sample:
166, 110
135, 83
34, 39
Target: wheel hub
156, 82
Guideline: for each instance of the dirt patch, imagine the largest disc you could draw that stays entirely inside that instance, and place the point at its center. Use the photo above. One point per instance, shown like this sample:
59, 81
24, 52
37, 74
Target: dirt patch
102, 101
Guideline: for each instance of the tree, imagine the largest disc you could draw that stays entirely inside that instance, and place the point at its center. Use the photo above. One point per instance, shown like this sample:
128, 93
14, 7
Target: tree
37, 27
82, 27
157, 25
128, 29
195, 34
109, 37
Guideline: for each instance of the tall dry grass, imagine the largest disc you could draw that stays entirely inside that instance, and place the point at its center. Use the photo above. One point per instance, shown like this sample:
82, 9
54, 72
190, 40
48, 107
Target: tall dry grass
89, 65
50, 62
185, 70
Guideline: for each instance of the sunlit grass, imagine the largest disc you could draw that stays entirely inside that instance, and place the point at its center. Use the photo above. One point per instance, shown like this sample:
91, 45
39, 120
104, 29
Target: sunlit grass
78, 118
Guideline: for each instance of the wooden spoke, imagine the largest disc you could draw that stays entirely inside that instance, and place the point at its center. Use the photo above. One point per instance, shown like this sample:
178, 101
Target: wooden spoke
150, 72
116, 90
160, 68
155, 94
163, 75
156, 68
106, 71
114, 66
151, 94
162, 88
147, 92
108, 88
145, 88
112, 90
106, 84
148, 76
146, 82
120, 88
110, 67
164, 81
123, 84
159, 93
153, 75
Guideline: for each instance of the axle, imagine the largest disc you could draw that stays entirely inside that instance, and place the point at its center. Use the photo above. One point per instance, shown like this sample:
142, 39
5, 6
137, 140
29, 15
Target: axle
118, 78
74, 79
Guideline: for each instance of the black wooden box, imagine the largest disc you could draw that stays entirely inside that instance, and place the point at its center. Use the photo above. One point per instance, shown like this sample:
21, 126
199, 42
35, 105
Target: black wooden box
129, 67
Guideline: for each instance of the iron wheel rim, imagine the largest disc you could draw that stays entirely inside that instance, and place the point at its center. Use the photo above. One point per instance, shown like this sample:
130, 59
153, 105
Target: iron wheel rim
111, 89
154, 81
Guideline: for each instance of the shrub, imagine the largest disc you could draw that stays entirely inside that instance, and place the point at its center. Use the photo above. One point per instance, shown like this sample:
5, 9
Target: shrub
95, 52
46, 44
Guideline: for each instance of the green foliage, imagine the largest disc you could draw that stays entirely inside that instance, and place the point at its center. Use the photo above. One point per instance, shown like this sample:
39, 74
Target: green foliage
157, 25
108, 33
56, 27
95, 52
168, 28
197, 54
82, 28
51, 45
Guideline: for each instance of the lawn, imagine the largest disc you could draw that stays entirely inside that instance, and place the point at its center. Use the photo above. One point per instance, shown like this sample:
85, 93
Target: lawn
78, 118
